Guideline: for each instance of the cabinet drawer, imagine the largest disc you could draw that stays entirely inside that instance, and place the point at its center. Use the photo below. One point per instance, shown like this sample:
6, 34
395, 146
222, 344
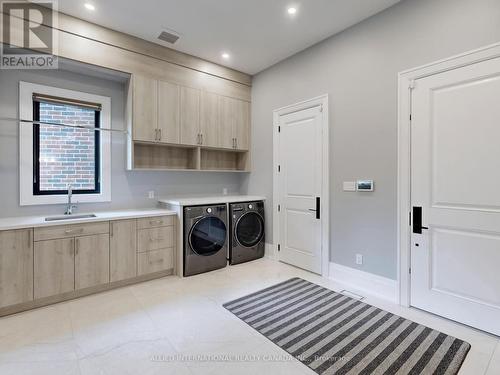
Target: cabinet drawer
155, 238
73, 230
155, 222
155, 261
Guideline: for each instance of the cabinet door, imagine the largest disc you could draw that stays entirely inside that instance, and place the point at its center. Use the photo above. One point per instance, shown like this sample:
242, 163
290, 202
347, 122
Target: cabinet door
122, 251
226, 124
190, 116
91, 261
241, 129
54, 267
168, 112
145, 108
16, 267
209, 119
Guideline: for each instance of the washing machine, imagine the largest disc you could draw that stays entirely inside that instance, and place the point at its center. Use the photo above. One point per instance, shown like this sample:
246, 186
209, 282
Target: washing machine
205, 238
246, 228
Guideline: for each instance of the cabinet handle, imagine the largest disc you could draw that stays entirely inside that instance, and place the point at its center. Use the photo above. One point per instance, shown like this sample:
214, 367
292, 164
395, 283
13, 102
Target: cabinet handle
159, 136
29, 238
69, 231
77, 246
111, 227
201, 138
236, 143
156, 134
153, 222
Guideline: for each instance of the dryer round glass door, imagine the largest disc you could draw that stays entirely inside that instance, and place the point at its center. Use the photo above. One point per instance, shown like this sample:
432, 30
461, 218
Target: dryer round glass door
249, 229
208, 236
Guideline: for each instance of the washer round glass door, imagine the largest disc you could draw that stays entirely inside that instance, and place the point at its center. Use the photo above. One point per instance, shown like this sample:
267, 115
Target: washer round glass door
207, 236
249, 229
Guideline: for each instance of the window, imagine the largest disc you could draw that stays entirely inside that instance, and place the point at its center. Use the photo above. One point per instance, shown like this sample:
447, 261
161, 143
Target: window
52, 156
65, 156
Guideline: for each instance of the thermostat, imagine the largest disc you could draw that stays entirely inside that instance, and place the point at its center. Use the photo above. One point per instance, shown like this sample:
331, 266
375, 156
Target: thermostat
364, 185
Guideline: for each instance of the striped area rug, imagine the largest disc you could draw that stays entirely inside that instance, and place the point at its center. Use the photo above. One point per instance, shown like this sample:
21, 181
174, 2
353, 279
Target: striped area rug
335, 334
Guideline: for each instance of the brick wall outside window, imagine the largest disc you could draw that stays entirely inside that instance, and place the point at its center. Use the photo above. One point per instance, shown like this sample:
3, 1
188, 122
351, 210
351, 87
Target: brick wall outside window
67, 156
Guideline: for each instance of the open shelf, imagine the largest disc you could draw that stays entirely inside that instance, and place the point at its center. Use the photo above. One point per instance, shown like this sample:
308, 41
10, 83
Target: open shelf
165, 157
224, 160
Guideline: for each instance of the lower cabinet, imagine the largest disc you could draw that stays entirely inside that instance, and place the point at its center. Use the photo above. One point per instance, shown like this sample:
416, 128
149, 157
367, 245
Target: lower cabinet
155, 261
54, 267
122, 251
52, 261
91, 261
16, 266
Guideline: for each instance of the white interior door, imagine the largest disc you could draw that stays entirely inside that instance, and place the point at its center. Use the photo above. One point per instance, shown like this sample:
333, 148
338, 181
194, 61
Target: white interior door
300, 159
455, 164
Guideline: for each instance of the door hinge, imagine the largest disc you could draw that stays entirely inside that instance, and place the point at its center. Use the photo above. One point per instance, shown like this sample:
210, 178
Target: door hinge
279, 129
279, 247
409, 270
321, 108
279, 207
279, 168
410, 116
409, 219
411, 86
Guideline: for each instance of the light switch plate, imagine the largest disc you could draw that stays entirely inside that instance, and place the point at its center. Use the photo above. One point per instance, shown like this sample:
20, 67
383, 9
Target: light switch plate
349, 185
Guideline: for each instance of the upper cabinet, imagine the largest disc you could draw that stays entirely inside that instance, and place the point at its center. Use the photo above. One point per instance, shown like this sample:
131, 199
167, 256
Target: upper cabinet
234, 128
190, 116
175, 126
209, 119
144, 108
168, 112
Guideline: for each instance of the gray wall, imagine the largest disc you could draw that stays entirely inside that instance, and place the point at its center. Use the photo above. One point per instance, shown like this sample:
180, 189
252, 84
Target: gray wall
129, 189
358, 69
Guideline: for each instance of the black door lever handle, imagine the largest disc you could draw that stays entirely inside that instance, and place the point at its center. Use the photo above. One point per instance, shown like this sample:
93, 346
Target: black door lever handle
417, 220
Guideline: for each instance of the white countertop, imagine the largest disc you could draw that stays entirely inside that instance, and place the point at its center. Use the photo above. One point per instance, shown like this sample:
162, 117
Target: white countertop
199, 200
9, 223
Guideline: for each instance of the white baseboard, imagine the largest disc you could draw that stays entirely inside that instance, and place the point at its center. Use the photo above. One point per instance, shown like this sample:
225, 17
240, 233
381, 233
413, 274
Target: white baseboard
363, 282
270, 251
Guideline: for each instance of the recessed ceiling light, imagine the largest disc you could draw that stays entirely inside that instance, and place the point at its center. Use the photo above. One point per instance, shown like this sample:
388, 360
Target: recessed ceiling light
292, 10
225, 55
89, 6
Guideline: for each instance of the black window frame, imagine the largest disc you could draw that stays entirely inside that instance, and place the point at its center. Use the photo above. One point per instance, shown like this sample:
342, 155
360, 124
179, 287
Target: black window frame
36, 157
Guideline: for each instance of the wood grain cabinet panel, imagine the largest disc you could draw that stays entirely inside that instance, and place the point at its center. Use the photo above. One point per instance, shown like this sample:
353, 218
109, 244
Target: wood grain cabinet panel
145, 108
154, 222
168, 113
70, 231
122, 251
16, 266
241, 129
226, 125
190, 116
209, 119
91, 261
155, 238
54, 267
155, 261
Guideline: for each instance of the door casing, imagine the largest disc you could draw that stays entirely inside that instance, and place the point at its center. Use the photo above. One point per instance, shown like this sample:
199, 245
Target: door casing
325, 188
406, 82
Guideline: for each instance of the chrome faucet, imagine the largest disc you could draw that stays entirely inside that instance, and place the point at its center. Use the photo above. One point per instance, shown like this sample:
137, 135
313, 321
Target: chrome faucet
70, 206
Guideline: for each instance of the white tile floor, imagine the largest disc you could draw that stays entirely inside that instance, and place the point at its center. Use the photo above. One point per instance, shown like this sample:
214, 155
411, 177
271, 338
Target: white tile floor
178, 326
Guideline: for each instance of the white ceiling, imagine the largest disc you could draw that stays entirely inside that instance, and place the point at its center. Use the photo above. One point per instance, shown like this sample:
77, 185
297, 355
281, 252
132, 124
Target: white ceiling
256, 33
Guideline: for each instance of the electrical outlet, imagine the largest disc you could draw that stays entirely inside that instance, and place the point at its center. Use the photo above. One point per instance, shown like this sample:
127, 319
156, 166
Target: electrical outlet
359, 258
224, 191
151, 194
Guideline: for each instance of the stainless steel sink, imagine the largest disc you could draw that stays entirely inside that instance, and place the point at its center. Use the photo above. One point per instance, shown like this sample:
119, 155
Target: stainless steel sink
70, 217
